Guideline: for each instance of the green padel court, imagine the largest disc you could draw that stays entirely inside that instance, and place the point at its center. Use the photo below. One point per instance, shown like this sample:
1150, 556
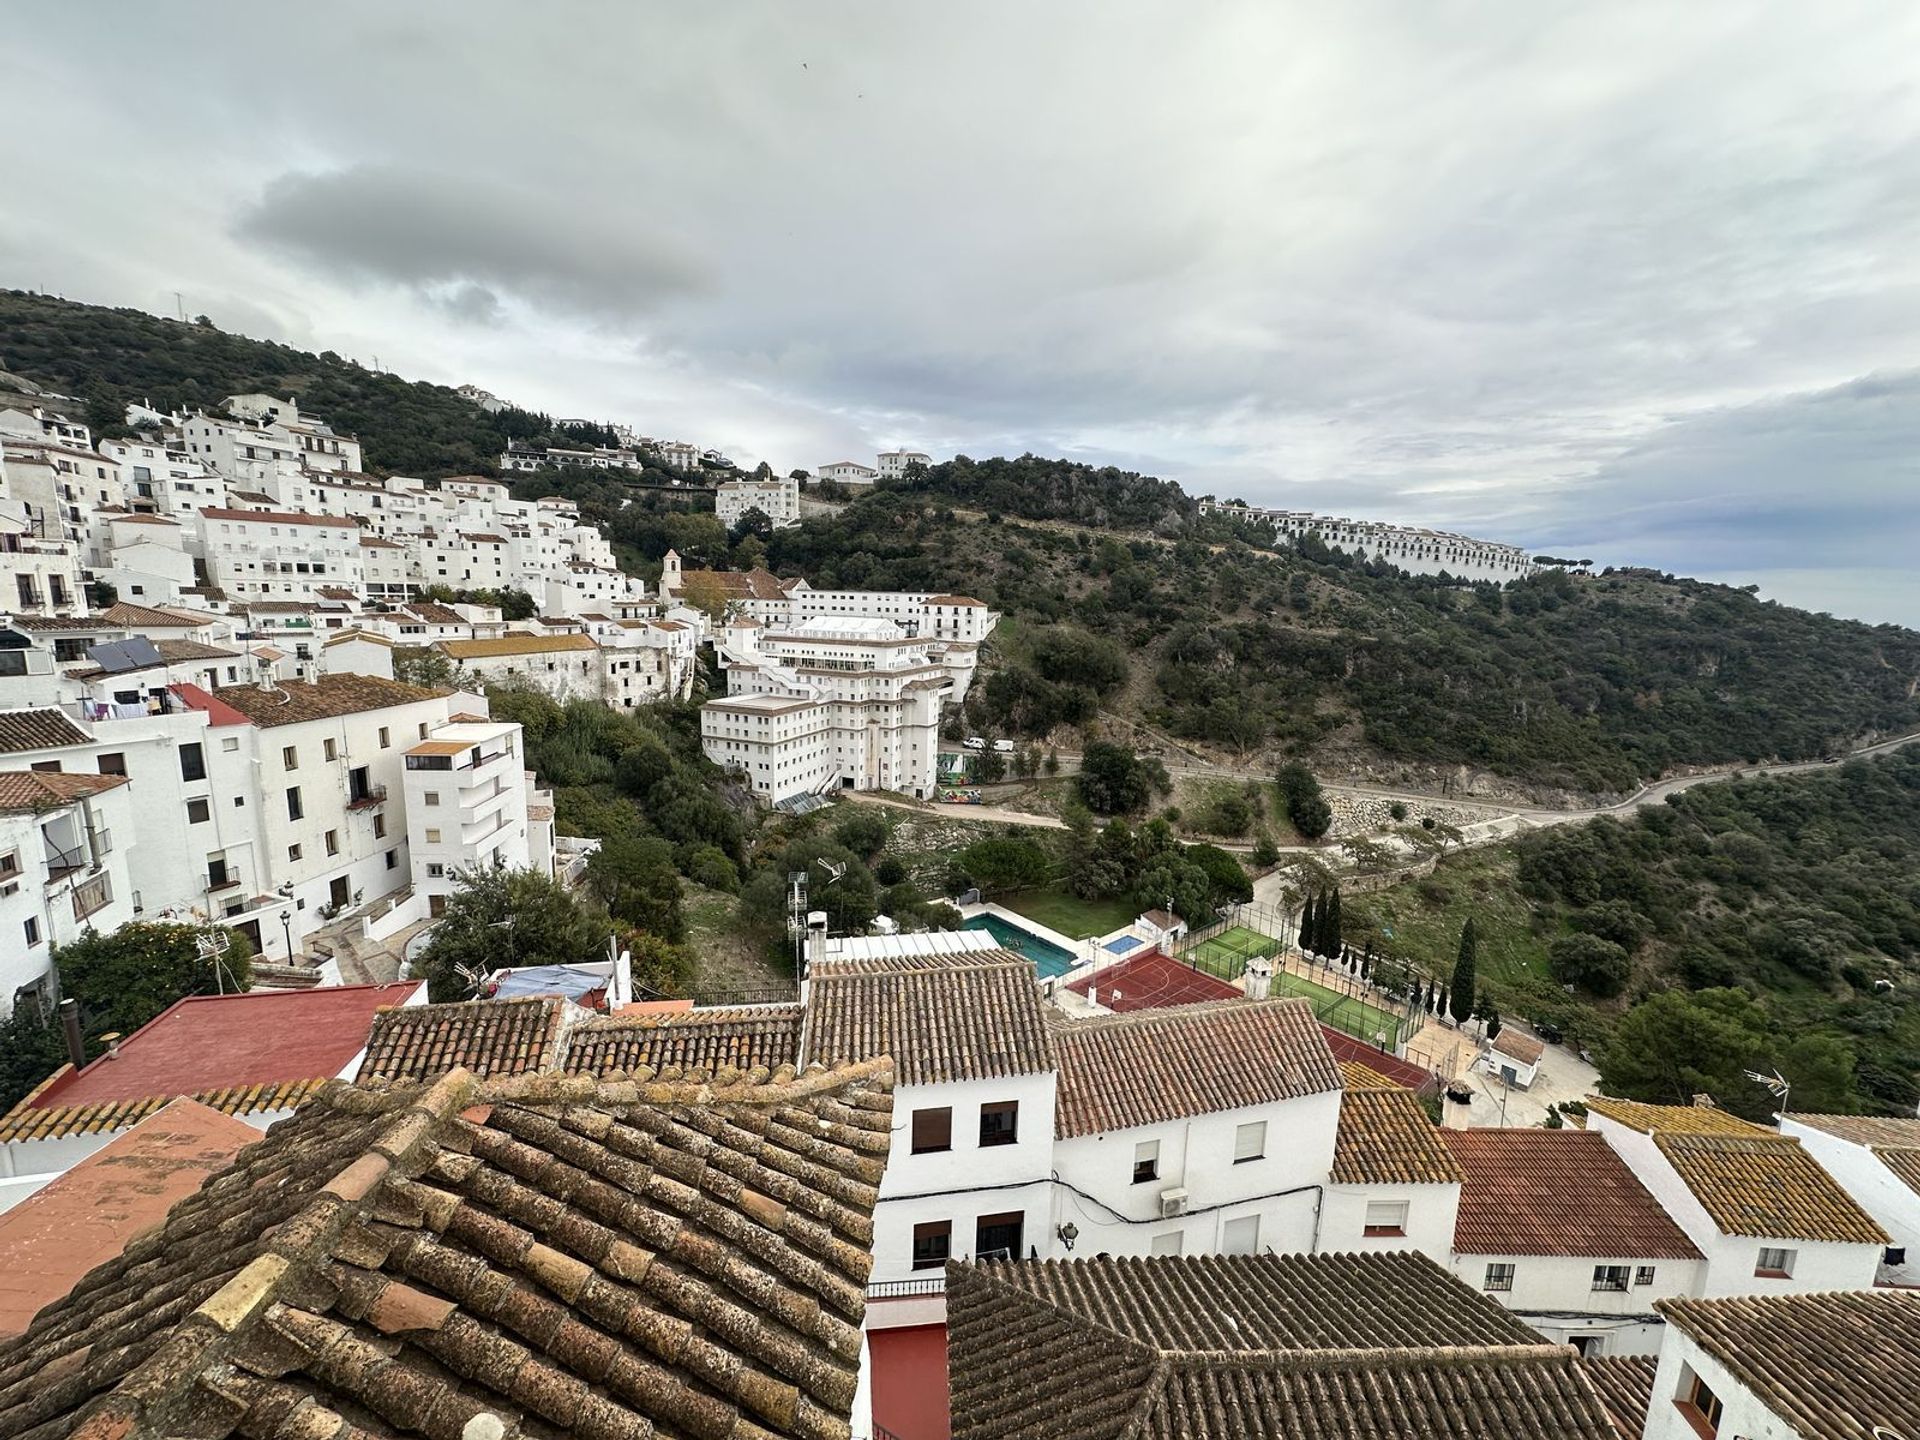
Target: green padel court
1226, 956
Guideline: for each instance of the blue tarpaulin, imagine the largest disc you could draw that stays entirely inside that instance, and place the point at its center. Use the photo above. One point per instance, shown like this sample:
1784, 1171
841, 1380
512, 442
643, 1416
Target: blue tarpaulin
566, 980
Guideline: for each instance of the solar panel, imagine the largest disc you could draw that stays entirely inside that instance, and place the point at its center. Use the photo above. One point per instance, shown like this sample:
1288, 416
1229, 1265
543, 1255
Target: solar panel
118, 656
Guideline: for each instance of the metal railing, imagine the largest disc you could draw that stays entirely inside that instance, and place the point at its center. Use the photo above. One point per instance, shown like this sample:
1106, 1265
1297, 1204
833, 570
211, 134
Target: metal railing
374, 795
898, 1289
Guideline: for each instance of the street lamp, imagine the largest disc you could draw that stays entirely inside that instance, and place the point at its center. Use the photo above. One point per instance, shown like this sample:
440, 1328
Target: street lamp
286, 929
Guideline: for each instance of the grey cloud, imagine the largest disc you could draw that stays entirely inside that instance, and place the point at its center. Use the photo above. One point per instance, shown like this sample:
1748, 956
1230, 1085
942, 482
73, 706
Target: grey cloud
458, 242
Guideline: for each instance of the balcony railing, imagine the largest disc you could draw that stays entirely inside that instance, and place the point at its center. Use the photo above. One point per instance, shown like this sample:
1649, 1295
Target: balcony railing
372, 796
62, 863
900, 1289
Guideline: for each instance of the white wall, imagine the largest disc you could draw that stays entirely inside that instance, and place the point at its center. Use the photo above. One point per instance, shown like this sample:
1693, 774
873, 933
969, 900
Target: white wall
1876, 1189
1431, 1213
948, 1185
1555, 1295
1744, 1416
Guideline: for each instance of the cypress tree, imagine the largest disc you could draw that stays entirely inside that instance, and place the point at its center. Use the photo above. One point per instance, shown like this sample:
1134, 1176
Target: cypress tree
1330, 917
1463, 987
1308, 919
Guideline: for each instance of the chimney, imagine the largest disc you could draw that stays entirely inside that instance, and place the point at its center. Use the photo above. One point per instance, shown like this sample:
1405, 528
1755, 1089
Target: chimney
70, 1022
1258, 978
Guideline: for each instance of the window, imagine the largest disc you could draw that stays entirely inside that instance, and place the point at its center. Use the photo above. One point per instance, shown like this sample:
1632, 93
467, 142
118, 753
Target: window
423, 729
333, 842
1896, 1255
329, 749
433, 836
393, 859
293, 852
999, 1235
1241, 1236
193, 762
1774, 1264
431, 797
379, 827
1699, 1402
436, 871
199, 812
1386, 1217
1643, 1275
1169, 1244
1146, 1161
1000, 1123
1249, 1141
1612, 1278
295, 810
1499, 1278
289, 758
932, 1130
31, 925
931, 1244
229, 744
385, 739
113, 764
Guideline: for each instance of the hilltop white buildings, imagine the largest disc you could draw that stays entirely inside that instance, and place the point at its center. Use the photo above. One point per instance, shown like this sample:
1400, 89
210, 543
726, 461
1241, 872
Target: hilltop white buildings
778, 499
1411, 548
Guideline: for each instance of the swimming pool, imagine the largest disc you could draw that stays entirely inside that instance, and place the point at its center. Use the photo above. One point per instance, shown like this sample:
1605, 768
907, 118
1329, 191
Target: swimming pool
1121, 944
1048, 958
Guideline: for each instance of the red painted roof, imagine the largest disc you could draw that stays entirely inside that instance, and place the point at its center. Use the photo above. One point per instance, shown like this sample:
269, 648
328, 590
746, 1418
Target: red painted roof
1149, 981
87, 1216
207, 1042
218, 711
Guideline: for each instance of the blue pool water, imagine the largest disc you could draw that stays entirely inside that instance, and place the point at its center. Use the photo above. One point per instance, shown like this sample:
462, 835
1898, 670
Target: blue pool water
1049, 959
1121, 944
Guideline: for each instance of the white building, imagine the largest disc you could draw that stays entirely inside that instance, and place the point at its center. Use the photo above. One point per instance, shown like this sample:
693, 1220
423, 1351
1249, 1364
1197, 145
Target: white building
1413, 549
467, 802
39, 576
1789, 1367
892, 464
63, 870
1393, 1185
1513, 1058
777, 499
876, 696
158, 477
1554, 1226
1757, 1205
282, 555
566, 666
847, 472
1876, 1160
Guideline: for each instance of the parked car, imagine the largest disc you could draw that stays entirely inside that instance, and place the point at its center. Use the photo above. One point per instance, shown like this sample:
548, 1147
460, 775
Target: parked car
1003, 747
974, 742
1550, 1033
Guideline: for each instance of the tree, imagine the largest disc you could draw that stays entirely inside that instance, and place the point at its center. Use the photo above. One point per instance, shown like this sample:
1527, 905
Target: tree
497, 917
862, 829
1596, 965
989, 767
666, 969
1675, 1045
706, 592
1333, 938
1115, 781
101, 595
1310, 925
635, 879
1463, 989
1306, 806
1265, 852
124, 979
1226, 879
1005, 864
425, 665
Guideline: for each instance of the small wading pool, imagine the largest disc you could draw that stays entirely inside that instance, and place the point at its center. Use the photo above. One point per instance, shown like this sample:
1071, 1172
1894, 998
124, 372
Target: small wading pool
1048, 958
1121, 944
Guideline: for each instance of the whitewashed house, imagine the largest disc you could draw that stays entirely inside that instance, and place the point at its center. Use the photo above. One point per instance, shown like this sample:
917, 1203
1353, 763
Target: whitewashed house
63, 869
1393, 1184
1876, 1160
467, 800
1766, 1216
1556, 1227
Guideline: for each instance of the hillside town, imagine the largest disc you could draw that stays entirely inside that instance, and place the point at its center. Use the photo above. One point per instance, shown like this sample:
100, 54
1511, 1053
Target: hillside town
993, 1181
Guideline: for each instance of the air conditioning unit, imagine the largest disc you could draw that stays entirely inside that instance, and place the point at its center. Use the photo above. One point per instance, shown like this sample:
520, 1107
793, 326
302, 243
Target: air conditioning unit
1173, 1202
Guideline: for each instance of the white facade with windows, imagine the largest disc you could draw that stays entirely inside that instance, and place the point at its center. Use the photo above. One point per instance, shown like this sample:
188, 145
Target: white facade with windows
892, 464
1411, 548
847, 472
778, 500
63, 871
279, 555
466, 805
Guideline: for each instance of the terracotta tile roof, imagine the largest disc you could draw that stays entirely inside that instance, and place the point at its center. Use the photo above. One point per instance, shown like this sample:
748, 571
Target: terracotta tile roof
145, 617
1901, 1133
745, 1037
280, 517
435, 612
1556, 1192
28, 1121
1356, 1075
1310, 1347
29, 790
293, 701
755, 584
1625, 1386
356, 633
1905, 1165
488, 1037
608, 1260
1673, 1119
970, 1016
87, 1216
1835, 1366
1524, 1048
955, 600
1122, 1071
375, 542
1386, 1138
1768, 1187
515, 645
62, 624
37, 730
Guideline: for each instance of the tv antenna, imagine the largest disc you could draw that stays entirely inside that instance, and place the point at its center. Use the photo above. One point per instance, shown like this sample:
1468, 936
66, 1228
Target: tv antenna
1775, 1084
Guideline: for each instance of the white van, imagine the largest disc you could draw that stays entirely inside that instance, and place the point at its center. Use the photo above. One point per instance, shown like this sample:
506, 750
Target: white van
1003, 747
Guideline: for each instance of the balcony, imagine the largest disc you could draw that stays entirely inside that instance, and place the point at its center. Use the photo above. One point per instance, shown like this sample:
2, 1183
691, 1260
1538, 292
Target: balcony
368, 798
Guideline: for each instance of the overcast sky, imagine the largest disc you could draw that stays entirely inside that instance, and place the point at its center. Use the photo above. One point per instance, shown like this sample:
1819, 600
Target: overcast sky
1633, 281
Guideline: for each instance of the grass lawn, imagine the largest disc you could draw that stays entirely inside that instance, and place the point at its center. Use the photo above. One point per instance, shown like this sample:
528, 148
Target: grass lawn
1356, 1017
1069, 914
1421, 919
